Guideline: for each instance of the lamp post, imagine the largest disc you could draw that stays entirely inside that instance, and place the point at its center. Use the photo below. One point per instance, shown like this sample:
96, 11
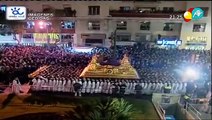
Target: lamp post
43, 25
114, 42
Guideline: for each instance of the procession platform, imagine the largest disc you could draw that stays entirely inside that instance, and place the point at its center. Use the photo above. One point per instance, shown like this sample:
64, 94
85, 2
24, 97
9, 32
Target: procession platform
123, 71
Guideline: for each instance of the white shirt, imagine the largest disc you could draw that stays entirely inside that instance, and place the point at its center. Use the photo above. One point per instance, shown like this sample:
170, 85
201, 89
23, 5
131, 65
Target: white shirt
97, 87
84, 84
88, 89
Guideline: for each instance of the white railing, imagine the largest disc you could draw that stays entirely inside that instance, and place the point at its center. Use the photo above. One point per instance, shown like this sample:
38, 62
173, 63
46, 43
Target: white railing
159, 109
194, 112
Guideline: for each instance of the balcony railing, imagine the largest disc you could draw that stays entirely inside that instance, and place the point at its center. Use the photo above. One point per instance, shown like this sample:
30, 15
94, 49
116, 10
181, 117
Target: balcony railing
67, 30
149, 14
62, 12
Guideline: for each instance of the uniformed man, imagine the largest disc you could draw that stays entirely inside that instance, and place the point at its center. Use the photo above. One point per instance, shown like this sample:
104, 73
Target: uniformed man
186, 101
138, 90
167, 88
77, 88
114, 89
122, 89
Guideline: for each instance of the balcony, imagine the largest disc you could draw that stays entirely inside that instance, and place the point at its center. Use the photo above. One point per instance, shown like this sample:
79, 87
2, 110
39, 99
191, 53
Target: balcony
67, 30
66, 12
147, 14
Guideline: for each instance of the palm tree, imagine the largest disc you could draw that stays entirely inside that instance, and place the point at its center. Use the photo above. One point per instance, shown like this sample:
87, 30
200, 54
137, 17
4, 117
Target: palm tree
114, 109
105, 109
123, 109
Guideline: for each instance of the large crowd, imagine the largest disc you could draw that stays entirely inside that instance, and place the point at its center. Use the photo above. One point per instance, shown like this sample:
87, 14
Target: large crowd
156, 67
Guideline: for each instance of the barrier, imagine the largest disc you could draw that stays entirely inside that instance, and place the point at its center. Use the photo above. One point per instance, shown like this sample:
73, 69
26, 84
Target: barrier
194, 112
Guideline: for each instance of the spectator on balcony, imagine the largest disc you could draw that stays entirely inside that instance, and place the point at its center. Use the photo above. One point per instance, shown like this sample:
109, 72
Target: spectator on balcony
74, 13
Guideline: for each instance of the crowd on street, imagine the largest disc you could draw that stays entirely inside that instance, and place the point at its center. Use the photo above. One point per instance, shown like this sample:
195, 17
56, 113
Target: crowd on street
156, 67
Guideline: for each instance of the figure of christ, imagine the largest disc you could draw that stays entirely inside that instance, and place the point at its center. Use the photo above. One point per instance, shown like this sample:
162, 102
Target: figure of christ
106, 60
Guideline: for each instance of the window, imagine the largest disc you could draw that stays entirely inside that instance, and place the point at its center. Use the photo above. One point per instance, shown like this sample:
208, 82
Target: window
93, 10
3, 26
168, 27
145, 25
125, 8
68, 25
168, 9
28, 36
143, 37
145, 9
47, 8
2, 7
29, 25
66, 5
200, 27
121, 25
67, 37
166, 99
94, 25
90, 41
44, 26
123, 37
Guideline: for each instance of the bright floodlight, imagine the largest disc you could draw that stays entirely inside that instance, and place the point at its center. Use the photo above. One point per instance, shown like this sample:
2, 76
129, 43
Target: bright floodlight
192, 74
41, 27
41, 23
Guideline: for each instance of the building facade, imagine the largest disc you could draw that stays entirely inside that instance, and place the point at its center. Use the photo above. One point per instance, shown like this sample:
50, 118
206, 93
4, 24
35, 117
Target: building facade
88, 23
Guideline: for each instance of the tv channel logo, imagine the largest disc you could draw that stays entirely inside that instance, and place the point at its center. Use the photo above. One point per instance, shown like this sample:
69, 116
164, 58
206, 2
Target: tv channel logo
16, 13
193, 14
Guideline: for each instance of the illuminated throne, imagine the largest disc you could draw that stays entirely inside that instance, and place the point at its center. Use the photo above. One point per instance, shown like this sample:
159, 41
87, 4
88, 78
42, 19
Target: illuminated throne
97, 70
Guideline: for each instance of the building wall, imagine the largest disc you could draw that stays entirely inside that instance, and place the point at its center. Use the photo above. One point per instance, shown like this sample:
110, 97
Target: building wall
108, 24
187, 27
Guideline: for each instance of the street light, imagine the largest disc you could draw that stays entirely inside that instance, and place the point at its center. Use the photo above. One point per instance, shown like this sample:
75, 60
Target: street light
43, 25
113, 40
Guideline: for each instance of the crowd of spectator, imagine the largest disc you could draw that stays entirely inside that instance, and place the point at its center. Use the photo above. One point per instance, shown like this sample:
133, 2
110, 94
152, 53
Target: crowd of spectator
153, 65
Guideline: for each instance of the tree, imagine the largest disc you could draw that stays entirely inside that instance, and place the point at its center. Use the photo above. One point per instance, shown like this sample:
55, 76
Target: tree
15, 27
115, 109
123, 109
105, 109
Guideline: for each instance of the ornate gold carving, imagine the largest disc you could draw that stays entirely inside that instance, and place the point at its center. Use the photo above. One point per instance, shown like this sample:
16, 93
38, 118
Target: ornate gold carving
125, 70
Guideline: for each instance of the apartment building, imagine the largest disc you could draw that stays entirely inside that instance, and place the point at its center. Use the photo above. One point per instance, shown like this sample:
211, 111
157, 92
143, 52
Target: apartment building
87, 23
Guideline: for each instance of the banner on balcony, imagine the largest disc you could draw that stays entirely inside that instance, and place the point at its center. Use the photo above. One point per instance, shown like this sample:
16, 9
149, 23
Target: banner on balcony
192, 40
169, 42
43, 38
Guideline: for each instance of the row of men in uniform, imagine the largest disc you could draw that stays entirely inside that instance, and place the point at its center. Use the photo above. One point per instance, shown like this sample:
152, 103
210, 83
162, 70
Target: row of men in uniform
105, 86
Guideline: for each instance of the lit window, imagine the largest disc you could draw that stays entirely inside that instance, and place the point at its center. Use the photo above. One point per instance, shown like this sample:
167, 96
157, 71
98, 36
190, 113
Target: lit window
168, 27
145, 25
67, 24
29, 25
200, 27
121, 25
94, 25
